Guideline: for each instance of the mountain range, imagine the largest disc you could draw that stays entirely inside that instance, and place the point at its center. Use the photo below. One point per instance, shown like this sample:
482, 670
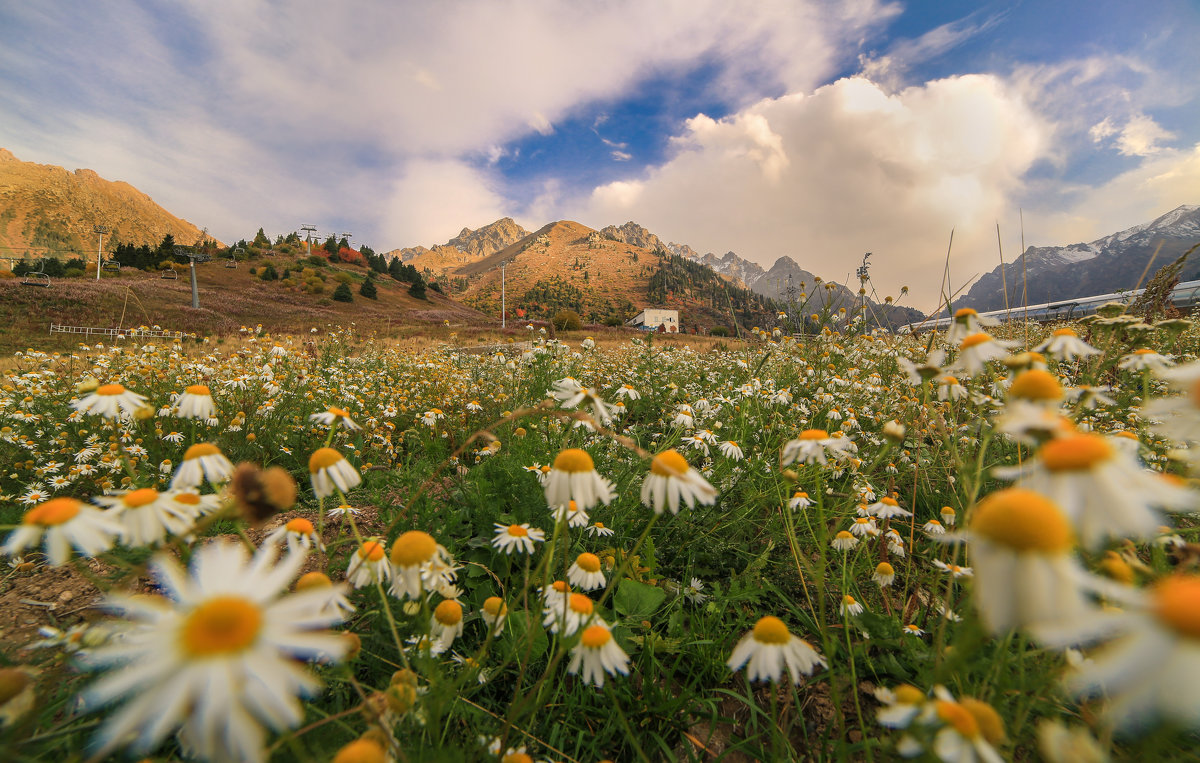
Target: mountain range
44, 208
785, 281
1107, 265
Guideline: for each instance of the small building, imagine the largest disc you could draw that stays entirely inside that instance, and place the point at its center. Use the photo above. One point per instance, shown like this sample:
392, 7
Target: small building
653, 318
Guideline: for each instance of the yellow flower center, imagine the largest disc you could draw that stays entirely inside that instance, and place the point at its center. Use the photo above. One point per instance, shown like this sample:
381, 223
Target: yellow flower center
188, 499
339, 412
449, 612
975, 340
964, 312
198, 389
814, 434
909, 695
947, 511
588, 562
1036, 384
110, 389
581, 604
560, 586
573, 460
845, 534
595, 636
372, 551
771, 630
412, 548
862, 520
56, 511
889, 501
1177, 604
323, 458
517, 757
991, 725
669, 464
849, 600
361, 751
883, 568
494, 606
1076, 452
200, 450
948, 381
1023, 520
221, 625
1143, 351
313, 580
139, 498
959, 717
1064, 332
300, 525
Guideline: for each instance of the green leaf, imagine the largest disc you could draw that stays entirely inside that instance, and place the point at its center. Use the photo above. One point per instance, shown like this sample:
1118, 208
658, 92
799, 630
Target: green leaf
636, 599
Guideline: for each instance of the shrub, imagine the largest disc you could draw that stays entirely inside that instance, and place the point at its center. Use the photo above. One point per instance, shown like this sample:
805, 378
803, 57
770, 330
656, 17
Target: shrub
612, 320
342, 293
73, 273
342, 277
253, 271
417, 289
288, 282
719, 331
5, 273
314, 286
368, 289
316, 261
567, 320
268, 273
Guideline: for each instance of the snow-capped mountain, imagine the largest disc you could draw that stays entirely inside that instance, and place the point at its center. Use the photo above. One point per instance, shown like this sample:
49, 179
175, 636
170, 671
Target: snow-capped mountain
1109, 264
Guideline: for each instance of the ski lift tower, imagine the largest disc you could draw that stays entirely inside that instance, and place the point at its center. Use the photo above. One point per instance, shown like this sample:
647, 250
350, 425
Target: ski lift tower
193, 256
101, 229
310, 231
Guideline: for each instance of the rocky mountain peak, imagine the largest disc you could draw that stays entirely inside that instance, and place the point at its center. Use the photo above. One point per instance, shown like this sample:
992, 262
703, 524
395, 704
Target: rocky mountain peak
488, 239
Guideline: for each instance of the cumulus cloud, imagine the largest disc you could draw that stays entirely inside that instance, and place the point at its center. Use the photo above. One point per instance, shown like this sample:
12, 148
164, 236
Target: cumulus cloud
359, 89
433, 200
846, 170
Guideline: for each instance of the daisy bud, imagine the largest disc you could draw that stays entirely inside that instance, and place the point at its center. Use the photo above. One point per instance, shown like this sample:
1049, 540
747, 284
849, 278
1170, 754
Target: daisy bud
260, 493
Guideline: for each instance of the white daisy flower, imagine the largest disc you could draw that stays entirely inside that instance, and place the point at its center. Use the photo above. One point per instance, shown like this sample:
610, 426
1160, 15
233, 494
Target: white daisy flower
574, 478
332, 416
672, 480
597, 654
369, 565
196, 402
769, 649
216, 658
202, 461
147, 516
517, 538
112, 401
62, 523
585, 572
329, 469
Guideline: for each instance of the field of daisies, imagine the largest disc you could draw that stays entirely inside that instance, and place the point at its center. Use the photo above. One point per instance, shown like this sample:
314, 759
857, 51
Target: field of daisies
973, 545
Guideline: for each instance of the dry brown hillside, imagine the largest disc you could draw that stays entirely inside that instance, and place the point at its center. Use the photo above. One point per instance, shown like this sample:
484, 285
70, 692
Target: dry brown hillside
229, 299
47, 208
563, 263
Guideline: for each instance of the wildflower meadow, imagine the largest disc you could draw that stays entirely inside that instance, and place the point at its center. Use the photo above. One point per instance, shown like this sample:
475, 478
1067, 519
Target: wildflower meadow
973, 545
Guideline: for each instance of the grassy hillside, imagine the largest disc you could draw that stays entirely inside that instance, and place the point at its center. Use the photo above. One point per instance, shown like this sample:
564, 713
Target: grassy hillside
229, 299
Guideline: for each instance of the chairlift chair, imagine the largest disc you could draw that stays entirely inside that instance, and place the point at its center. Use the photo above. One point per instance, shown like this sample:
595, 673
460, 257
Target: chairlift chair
112, 266
169, 274
37, 278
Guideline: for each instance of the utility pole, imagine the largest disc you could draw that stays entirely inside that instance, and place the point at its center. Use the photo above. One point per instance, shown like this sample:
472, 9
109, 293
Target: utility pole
101, 229
311, 231
193, 257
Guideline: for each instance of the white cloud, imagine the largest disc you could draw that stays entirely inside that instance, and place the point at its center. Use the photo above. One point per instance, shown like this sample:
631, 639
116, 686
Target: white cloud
434, 199
1159, 184
1141, 137
848, 169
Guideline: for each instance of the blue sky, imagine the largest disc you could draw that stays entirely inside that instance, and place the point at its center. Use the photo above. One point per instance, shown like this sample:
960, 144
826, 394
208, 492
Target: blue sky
816, 130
